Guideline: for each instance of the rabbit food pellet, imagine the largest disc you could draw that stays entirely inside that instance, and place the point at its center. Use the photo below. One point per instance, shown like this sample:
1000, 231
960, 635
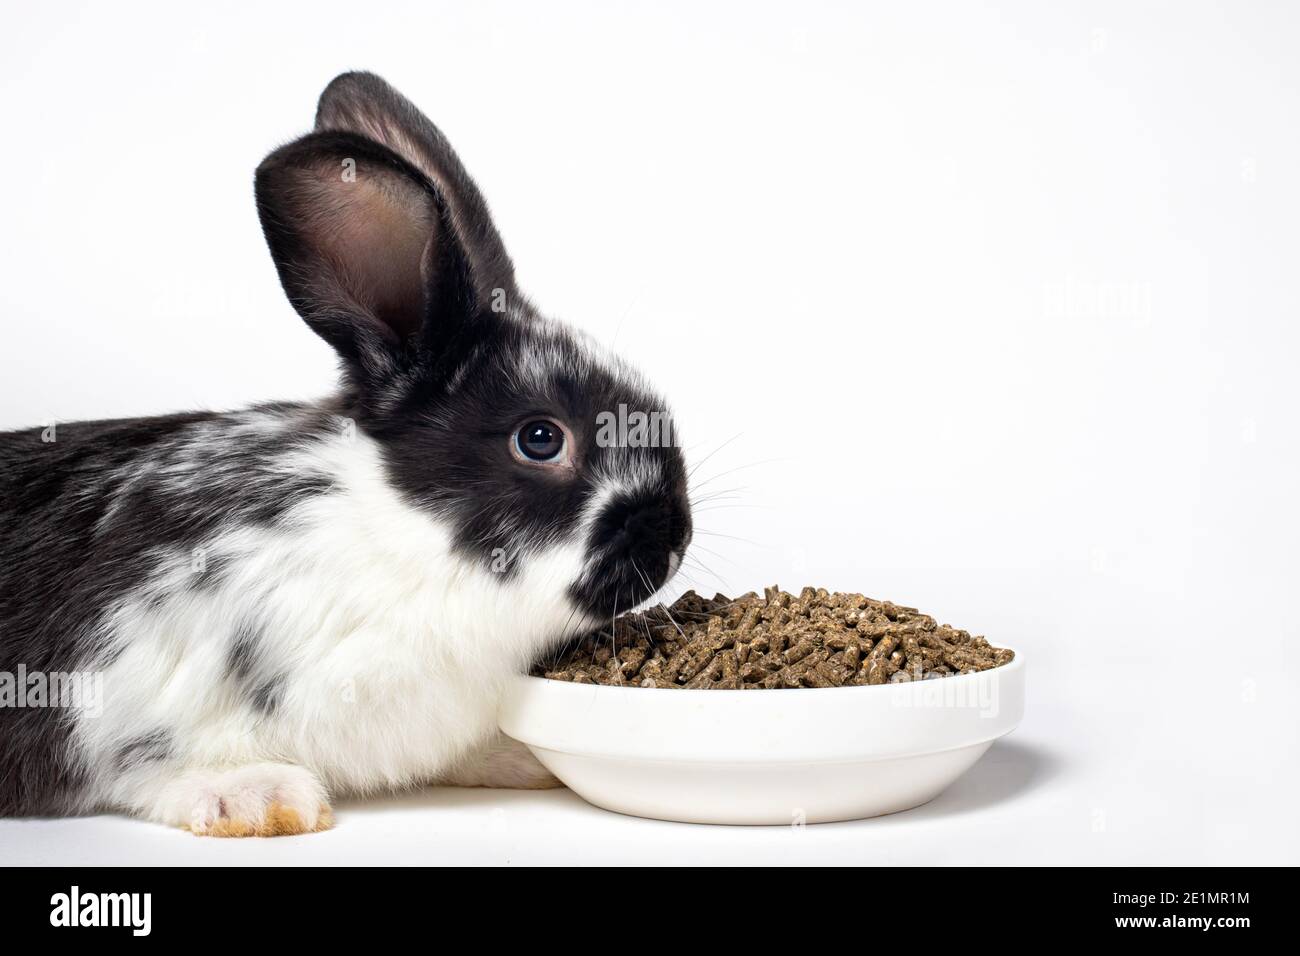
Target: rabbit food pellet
817, 639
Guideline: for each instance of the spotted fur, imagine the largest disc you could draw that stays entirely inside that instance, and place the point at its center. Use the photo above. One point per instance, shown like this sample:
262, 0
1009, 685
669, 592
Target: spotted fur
299, 600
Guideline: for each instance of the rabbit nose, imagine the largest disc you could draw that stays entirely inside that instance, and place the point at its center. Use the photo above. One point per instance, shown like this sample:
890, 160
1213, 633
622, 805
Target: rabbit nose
646, 527
636, 544
641, 520
638, 523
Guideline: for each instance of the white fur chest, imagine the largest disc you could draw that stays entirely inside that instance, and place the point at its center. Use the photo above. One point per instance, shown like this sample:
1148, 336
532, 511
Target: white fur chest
347, 637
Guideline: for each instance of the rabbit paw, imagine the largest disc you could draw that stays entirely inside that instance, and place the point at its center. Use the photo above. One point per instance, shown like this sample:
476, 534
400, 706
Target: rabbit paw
265, 799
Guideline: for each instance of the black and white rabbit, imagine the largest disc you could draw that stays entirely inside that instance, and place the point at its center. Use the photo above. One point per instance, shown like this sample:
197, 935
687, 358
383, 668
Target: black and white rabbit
303, 600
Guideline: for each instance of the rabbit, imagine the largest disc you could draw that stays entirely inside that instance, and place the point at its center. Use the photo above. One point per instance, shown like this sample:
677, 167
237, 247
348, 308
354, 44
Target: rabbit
285, 604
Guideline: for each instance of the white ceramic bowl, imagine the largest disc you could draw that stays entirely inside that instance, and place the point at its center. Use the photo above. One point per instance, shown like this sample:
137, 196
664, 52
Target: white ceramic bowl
809, 755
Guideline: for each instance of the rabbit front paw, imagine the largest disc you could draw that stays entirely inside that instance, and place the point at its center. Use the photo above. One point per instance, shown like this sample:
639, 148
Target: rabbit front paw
265, 799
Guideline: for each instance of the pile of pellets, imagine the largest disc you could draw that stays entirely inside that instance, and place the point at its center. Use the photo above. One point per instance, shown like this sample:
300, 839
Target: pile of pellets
773, 640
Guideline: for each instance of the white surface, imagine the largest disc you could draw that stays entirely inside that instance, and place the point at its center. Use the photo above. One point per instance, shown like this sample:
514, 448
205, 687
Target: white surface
999, 301
1019, 804
775, 757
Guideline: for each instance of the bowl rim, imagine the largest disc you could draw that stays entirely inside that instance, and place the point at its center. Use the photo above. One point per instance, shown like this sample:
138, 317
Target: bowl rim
1015, 664
548, 714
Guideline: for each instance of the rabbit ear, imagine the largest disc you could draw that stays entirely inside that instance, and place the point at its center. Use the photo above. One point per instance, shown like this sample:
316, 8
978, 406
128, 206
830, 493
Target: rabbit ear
366, 252
364, 104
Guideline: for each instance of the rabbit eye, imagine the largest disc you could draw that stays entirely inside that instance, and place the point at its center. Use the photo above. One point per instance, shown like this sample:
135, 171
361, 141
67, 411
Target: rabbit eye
540, 440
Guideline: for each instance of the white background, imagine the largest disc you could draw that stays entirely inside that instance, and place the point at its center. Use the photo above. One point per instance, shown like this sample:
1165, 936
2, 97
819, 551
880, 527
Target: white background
996, 306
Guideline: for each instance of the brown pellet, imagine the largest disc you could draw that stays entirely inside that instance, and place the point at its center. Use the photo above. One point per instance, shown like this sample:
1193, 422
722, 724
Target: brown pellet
817, 639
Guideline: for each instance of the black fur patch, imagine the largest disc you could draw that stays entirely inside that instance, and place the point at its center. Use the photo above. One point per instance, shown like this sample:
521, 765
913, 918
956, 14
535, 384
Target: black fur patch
148, 748
244, 667
210, 572
266, 695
